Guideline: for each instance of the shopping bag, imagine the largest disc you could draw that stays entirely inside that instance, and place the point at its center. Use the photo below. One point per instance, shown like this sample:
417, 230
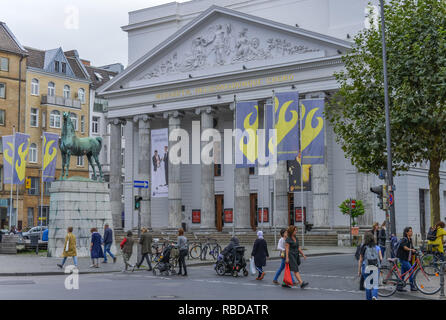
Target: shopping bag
252, 266
287, 275
67, 248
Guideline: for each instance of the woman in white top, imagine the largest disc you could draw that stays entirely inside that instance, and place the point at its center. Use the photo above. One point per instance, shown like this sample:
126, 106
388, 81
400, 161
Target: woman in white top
281, 248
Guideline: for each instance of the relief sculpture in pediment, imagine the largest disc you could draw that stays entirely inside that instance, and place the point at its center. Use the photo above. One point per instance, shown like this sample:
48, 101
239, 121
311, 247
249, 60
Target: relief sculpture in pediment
221, 45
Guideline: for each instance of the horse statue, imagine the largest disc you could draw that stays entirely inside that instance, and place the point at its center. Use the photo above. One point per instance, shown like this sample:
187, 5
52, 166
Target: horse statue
69, 145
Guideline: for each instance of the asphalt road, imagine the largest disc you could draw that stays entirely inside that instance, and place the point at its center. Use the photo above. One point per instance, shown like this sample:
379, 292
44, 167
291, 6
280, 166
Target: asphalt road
330, 278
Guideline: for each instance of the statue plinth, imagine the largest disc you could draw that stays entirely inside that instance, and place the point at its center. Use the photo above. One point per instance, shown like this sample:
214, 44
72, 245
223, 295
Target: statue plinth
80, 204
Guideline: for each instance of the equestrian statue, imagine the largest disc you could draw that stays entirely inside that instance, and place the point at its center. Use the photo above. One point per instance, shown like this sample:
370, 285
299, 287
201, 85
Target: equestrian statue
70, 145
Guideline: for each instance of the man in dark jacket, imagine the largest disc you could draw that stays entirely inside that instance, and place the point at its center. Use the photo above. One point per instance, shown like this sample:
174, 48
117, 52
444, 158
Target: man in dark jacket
146, 248
108, 241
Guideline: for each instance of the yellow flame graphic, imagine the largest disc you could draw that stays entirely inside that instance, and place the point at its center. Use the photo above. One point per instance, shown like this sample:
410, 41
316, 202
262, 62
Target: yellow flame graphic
309, 133
305, 170
283, 127
250, 149
48, 157
8, 157
20, 169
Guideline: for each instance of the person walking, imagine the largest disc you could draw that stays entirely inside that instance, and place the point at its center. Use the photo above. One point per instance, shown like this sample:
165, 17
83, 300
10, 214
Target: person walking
438, 242
370, 255
375, 231
95, 248
404, 254
260, 253
281, 248
182, 247
146, 248
382, 239
292, 251
69, 248
107, 242
127, 249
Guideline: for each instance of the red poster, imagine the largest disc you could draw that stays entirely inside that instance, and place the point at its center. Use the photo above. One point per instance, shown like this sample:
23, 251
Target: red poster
265, 214
196, 216
298, 216
229, 215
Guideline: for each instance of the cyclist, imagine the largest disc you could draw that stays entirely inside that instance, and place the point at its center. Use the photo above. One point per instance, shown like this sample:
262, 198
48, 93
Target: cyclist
404, 254
438, 242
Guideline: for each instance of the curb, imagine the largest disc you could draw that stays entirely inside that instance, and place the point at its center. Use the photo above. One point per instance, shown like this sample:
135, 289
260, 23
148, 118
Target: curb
199, 264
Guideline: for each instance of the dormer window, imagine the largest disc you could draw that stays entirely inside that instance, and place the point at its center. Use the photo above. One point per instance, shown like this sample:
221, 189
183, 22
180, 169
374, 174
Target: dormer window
64, 67
56, 66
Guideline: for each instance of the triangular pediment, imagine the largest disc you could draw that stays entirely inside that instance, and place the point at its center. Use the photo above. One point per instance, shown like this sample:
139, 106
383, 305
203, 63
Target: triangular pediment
221, 41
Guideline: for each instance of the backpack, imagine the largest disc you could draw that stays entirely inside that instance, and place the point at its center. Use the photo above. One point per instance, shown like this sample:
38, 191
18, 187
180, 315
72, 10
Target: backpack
396, 247
432, 234
371, 257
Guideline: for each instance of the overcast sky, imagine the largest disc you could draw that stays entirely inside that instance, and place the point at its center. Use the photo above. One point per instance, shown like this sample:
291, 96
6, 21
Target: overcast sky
93, 27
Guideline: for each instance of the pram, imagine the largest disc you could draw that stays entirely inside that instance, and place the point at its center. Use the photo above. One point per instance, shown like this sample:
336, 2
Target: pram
233, 262
168, 261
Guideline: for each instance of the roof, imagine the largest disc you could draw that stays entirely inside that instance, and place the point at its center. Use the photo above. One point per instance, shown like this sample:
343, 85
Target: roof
8, 42
99, 76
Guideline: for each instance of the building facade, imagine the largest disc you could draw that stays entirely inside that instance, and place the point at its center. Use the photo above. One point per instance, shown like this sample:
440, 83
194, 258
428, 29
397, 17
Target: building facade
189, 62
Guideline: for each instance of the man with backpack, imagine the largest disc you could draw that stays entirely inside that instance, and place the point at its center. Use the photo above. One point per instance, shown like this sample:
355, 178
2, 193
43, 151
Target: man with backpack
370, 256
405, 249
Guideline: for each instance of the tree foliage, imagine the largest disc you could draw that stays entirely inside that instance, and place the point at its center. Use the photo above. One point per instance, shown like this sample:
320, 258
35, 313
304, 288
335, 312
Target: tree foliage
416, 62
353, 212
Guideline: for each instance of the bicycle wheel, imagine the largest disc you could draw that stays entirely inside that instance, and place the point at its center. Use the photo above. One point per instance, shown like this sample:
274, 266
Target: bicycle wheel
388, 281
427, 260
217, 251
195, 252
427, 283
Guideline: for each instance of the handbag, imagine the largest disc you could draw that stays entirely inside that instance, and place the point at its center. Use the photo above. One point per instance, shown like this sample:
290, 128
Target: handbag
287, 275
252, 266
282, 254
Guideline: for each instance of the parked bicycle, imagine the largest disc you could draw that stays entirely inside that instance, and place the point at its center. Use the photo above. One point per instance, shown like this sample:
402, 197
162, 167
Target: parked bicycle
427, 280
200, 250
430, 257
158, 246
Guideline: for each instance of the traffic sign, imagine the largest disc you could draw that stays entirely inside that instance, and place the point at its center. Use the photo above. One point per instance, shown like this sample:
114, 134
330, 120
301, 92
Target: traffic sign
141, 184
390, 199
353, 204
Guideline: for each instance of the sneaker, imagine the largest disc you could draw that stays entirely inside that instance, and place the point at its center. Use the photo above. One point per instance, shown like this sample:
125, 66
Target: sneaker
114, 260
93, 266
60, 266
374, 298
285, 285
275, 282
105, 261
303, 285
262, 276
413, 289
133, 267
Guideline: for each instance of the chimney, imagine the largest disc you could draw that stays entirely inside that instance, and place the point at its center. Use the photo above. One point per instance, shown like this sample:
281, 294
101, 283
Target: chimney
85, 62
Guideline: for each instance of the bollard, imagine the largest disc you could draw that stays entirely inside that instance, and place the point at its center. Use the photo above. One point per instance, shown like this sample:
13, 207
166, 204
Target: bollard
442, 280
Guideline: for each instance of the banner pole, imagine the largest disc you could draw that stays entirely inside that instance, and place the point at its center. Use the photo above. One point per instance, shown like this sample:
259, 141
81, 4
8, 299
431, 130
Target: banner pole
275, 141
235, 165
41, 187
12, 176
301, 177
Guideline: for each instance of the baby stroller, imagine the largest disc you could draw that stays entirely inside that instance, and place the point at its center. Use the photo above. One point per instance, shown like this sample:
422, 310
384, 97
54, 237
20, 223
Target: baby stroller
168, 261
233, 263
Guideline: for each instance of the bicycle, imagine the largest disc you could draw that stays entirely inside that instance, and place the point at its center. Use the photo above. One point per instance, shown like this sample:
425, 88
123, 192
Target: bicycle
427, 282
200, 251
431, 257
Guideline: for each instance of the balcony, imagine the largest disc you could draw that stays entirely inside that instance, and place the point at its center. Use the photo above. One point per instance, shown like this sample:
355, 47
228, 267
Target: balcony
61, 101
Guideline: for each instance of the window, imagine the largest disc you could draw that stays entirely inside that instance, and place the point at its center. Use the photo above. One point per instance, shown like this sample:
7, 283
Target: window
82, 124
80, 161
81, 95
3, 90
44, 211
35, 87
73, 118
100, 105
56, 66
64, 67
33, 153
217, 170
34, 117
55, 119
51, 89
30, 217
98, 76
95, 125
2, 118
252, 170
47, 186
34, 190
4, 64
66, 91
122, 156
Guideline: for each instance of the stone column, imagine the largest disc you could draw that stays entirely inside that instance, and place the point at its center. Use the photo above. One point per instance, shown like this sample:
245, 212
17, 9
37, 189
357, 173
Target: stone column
144, 167
363, 184
319, 185
116, 189
207, 176
174, 176
281, 196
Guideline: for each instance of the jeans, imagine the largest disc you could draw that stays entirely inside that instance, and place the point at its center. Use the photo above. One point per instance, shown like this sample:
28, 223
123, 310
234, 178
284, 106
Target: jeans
383, 251
279, 271
260, 270
405, 266
369, 293
147, 256
74, 260
107, 247
181, 261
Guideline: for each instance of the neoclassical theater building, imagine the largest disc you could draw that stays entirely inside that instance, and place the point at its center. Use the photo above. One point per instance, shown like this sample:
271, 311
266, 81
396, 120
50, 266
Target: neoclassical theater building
189, 62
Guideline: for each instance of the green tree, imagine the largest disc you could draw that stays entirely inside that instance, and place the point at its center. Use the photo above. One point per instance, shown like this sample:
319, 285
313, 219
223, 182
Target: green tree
354, 212
416, 60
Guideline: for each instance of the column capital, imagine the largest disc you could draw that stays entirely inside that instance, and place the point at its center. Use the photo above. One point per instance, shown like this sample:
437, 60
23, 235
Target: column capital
116, 121
143, 117
208, 110
173, 114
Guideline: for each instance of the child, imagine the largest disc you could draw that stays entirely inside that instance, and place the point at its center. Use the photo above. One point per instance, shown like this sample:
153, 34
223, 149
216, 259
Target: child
127, 250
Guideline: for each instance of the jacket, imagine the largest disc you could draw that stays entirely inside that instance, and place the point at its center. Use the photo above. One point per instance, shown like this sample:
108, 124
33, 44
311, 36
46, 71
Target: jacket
260, 252
71, 239
127, 245
382, 238
146, 243
108, 236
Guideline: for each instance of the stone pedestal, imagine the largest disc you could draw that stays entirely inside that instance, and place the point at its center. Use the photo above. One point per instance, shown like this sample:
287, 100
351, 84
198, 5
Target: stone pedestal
79, 204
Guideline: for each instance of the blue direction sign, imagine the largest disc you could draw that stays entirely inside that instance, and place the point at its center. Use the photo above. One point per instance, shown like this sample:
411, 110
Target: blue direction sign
141, 184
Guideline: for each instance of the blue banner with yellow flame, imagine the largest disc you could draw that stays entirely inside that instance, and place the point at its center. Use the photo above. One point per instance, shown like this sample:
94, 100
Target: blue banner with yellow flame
50, 141
247, 123
313, 146
21, 150
286, 118
8, 158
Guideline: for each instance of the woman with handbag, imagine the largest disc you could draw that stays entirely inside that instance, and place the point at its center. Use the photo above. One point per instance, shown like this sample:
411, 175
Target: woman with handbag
281, 248
292, 251
69, 248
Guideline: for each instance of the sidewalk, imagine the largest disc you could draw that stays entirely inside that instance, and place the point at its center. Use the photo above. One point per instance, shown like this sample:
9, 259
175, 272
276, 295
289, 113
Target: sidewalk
30, 264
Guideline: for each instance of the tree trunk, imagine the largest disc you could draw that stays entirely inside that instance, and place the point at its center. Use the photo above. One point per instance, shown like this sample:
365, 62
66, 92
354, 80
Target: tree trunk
434, 190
